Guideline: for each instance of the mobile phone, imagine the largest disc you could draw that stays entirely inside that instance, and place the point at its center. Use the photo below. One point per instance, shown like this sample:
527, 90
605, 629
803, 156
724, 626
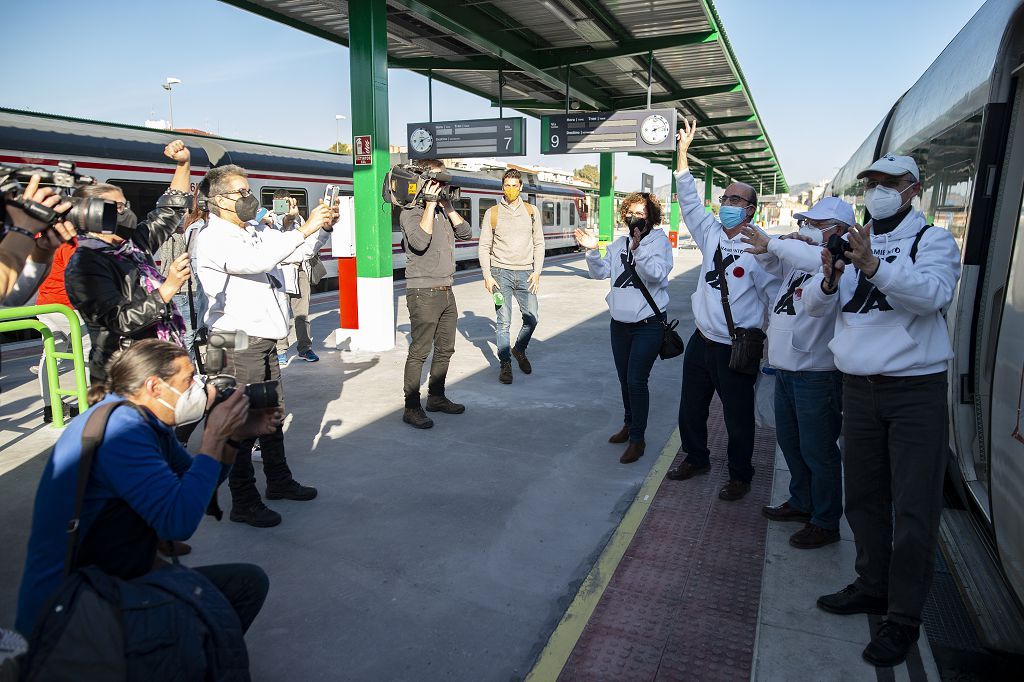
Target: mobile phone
281, 206
331, 194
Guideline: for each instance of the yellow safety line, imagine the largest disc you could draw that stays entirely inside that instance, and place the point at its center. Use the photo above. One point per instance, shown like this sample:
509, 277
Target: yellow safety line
563, 640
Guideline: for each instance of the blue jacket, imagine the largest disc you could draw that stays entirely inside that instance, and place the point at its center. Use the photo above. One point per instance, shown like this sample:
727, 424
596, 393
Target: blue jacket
140, 462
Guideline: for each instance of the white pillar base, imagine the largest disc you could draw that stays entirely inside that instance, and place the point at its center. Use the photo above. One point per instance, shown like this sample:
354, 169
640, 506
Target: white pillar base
376, 332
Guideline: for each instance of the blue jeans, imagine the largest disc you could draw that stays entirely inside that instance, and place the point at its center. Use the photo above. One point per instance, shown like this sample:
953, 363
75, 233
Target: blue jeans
181, 300
635, 348
808, 419
514, 283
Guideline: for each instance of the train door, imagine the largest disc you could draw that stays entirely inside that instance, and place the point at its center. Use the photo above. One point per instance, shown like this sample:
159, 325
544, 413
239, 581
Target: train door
483, 204
141, 194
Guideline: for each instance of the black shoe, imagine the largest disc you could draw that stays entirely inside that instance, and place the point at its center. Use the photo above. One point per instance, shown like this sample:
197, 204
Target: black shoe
415, 416
257, 515
524, 365
70, 412
785, 512
734, 490
290, 490
889, 646
850, 600
505, 376
813, 537
686, 470
439, 403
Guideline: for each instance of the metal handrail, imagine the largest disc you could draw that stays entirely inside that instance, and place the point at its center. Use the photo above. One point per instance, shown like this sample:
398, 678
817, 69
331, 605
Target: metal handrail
23, 317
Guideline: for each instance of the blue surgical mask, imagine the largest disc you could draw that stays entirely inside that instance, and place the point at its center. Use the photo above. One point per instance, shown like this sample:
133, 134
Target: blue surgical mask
731, 216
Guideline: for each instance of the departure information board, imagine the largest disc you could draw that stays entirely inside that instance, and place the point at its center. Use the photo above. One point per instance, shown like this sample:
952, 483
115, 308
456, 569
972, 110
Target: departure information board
644, 130
467, 139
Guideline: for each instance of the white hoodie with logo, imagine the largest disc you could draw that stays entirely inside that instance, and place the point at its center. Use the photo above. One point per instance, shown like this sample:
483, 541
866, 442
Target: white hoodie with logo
652, 261
893, 323
751, 281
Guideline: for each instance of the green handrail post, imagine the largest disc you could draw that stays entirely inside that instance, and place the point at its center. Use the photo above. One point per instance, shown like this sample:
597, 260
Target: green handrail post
23, 317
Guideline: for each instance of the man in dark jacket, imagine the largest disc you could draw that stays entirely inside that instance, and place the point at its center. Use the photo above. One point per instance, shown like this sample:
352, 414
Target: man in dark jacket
429, 232
106, 282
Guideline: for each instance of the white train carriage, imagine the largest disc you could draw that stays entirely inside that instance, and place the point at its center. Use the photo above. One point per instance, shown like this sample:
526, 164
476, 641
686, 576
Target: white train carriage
131, 157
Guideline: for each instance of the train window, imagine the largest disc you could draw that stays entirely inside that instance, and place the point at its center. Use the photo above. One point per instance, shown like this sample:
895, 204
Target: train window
484, 205
396, 213
548, 213
142, 195
464, 208
558, 213
572, 214
267, 198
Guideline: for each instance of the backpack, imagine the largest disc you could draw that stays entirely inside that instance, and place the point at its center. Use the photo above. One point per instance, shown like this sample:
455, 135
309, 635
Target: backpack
530, 208
170, 624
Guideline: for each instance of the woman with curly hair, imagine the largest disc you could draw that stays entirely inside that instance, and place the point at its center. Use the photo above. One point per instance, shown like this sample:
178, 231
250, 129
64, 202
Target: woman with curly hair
642, 259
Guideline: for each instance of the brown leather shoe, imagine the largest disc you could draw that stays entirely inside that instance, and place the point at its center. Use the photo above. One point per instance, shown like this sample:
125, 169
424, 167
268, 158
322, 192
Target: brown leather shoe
634, 451
171, 548
785, 512
524, 364
686, 470
621, 436
734, 490
813, 537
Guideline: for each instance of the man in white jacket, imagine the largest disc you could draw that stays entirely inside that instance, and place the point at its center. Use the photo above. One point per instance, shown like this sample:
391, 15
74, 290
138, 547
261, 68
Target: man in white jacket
892, 345
706, 360
808, 387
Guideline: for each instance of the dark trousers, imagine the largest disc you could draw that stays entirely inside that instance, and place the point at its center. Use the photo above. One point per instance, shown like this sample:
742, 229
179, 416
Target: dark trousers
635, 348
895, 451
432, 317
256, 363
705, 372
808, 420
244, 585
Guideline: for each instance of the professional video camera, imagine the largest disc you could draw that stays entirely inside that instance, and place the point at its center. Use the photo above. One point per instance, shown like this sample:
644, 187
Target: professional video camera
262, 395
86, 214
403, 185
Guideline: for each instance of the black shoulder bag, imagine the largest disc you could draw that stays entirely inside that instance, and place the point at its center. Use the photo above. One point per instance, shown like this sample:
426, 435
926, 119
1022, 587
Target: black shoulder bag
747, 344
671, 342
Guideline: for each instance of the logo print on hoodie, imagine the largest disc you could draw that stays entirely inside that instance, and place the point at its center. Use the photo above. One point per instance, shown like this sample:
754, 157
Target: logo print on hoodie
786, 306
867, 297
712, 275
625, 280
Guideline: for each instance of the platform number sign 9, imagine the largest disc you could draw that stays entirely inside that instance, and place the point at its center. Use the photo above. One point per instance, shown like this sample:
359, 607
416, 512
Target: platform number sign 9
608, 131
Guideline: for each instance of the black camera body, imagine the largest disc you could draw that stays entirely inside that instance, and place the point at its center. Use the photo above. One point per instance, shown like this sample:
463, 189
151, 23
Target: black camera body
403, 186
262, 395
838, 247
87, 214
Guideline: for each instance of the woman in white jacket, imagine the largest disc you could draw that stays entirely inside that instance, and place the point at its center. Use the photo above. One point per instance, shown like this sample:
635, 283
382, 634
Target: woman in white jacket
636, 332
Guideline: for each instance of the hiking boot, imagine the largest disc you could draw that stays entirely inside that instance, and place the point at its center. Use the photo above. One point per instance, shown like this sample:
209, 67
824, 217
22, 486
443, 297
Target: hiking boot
416, 417
171, 548
621, 436
440, 403
852, 599
686, 470
890, 645
785, 512
505, 376
634, 451
257, 514
290, 490
734, 490
524, 364
813, 537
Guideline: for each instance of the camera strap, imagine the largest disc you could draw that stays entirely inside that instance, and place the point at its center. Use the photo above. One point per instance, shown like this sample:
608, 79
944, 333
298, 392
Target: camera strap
724, 288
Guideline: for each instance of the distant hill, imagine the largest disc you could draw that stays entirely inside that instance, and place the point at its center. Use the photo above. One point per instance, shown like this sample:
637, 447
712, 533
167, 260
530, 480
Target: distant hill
802, 187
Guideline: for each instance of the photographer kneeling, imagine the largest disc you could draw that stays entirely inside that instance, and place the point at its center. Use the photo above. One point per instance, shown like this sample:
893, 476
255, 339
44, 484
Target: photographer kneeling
143, 484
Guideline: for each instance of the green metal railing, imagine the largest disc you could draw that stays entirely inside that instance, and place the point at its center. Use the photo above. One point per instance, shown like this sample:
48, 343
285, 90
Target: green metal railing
24, 317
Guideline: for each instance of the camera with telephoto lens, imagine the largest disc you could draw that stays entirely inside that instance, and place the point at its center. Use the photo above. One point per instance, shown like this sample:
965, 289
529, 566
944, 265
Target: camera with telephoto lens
403, 185
87, 214
262, 395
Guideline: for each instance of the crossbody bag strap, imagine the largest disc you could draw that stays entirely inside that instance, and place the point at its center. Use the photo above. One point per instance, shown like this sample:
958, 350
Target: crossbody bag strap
92, 437
643, 287
724, 288
917, 242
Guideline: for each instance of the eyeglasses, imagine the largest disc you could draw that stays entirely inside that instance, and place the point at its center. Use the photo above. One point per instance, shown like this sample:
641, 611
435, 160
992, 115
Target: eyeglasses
242, 193
123, 206
802, 222
735, 200
892, 183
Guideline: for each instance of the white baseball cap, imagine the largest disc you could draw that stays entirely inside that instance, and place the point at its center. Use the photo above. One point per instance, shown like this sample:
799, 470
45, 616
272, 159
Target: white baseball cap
829, 208
893, 165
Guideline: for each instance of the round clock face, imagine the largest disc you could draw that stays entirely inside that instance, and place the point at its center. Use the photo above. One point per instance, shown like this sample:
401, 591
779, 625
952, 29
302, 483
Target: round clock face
421, 140
654, 129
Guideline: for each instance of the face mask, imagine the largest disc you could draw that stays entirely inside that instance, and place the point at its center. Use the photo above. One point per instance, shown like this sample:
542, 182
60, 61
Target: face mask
731, 216
635, 223
883, 202
814, 233
191, 405
511, 193
246, 208
126, 223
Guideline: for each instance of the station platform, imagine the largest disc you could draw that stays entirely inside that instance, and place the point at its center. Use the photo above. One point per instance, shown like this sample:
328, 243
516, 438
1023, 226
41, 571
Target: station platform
507, 542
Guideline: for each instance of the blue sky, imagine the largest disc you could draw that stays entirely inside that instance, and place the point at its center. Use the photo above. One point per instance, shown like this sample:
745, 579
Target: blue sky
822, 73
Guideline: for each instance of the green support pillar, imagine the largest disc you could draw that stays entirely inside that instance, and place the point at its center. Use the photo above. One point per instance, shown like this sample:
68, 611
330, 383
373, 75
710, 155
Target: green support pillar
709, 178
367, 307
673, 205
606, 202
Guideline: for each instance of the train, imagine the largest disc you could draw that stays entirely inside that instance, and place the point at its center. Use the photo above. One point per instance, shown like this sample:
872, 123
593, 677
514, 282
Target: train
131, 157
963, 121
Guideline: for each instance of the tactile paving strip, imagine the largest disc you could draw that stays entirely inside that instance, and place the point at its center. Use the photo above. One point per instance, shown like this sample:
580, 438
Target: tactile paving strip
682, 604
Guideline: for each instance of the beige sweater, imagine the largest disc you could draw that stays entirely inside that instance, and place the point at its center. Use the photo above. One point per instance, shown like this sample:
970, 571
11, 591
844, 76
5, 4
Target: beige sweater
517, 243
